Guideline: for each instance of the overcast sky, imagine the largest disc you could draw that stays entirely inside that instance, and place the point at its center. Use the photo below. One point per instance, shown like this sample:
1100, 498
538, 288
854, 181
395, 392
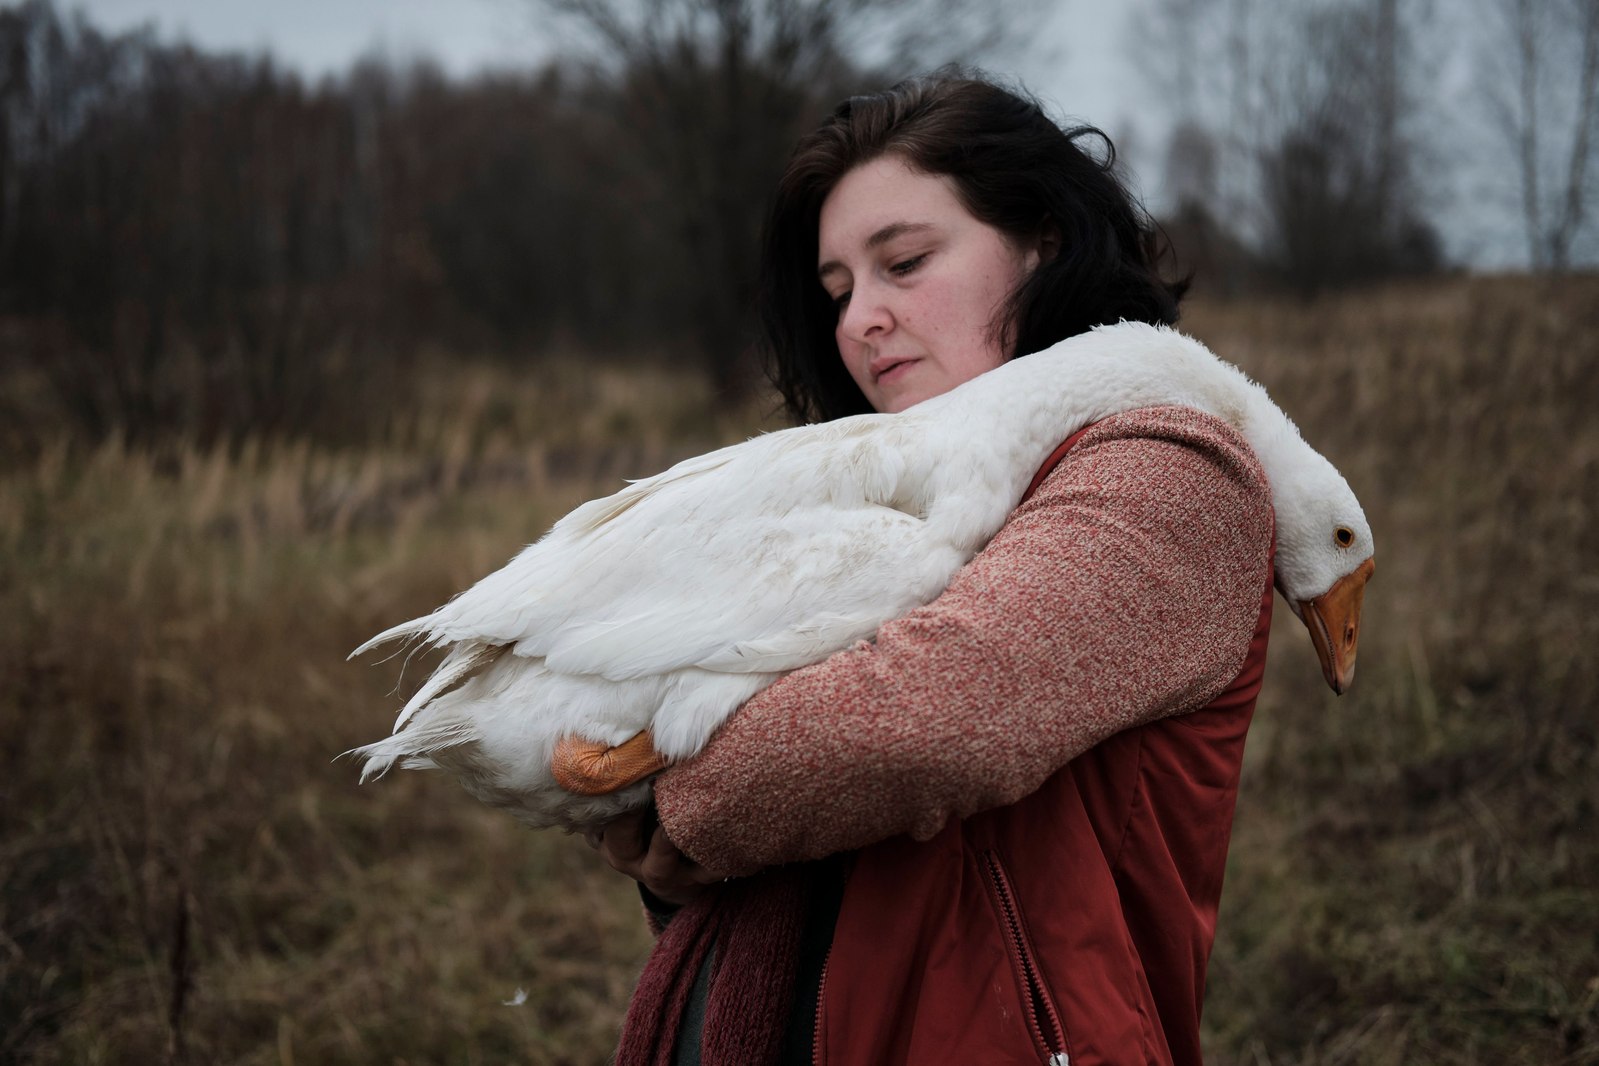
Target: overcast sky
322, 36
1077, 61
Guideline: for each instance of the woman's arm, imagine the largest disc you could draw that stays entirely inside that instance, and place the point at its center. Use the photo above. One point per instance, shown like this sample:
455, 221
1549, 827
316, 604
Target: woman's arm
1125, 590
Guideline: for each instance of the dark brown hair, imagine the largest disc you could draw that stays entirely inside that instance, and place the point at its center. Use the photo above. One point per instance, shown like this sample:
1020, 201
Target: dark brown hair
1014, 169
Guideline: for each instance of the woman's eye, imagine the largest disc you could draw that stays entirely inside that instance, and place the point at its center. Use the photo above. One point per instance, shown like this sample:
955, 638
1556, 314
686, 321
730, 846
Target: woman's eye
906, 266
841, 301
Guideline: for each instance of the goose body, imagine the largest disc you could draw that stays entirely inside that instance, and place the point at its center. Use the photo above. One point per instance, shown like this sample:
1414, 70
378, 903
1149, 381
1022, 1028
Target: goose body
667, 605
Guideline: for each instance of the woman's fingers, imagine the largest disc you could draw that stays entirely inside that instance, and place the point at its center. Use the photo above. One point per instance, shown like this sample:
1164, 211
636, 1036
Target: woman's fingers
669, 874
625, 839
635, 844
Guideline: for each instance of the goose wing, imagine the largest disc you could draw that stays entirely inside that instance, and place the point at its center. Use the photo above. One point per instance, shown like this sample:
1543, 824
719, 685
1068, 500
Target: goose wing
760, 557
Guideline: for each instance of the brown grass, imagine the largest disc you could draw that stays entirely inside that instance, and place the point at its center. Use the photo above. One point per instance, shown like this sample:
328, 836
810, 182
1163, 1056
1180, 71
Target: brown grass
1414, 871
186, 877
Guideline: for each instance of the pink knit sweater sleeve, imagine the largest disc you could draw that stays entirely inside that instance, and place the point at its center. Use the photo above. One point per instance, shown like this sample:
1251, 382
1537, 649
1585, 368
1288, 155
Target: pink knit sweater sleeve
1126, 589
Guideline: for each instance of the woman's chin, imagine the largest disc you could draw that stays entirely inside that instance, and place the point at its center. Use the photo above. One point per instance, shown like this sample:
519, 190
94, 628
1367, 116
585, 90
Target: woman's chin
901, 388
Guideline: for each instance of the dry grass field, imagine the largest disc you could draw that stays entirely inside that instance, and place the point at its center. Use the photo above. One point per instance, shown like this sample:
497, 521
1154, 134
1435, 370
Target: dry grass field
186, 877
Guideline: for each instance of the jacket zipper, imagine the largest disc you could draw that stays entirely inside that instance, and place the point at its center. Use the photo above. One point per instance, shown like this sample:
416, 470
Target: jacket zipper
1042, 1019
821, 994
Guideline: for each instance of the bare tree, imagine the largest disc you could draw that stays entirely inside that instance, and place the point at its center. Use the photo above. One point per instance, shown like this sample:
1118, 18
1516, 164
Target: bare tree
1298, 127
1546, 110
715, 91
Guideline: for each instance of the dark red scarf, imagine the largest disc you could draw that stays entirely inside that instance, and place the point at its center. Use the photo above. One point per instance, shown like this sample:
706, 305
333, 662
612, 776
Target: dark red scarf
755, 925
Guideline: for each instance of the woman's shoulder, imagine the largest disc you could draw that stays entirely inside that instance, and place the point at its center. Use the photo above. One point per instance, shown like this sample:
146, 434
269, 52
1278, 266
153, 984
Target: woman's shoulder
1177, 474
1182, 442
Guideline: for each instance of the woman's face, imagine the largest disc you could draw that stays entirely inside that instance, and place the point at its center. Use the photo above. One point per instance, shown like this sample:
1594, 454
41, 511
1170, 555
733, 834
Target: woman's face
917, 281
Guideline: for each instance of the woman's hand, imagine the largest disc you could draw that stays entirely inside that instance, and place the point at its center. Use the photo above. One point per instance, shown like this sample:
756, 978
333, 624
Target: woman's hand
636, 845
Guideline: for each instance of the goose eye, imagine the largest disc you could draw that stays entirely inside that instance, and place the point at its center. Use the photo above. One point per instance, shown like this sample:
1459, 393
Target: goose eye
1344, 536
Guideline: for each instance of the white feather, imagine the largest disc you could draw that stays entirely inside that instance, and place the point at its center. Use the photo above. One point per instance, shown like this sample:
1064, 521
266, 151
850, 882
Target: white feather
671, 602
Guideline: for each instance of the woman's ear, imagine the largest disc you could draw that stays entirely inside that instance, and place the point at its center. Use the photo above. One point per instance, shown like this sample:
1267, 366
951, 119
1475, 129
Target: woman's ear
1048, 242
1041, 247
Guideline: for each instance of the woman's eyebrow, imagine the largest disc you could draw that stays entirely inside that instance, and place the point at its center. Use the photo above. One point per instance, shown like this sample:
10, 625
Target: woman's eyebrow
895, 229
877, 239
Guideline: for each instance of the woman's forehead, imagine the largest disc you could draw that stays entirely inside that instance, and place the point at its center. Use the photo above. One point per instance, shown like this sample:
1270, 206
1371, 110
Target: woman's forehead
881, 200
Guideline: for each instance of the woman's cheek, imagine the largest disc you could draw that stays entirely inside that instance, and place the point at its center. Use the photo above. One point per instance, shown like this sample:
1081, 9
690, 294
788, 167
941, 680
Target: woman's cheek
850, 352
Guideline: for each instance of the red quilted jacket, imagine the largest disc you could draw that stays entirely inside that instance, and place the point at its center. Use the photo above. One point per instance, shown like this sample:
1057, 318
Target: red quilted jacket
1103, 959
1038, 769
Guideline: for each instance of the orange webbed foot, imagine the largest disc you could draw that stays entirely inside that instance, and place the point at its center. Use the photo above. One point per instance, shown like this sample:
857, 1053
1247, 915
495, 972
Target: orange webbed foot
590, 768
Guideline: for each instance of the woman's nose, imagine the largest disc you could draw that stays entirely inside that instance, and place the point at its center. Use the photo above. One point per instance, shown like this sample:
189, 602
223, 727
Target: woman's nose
865, 316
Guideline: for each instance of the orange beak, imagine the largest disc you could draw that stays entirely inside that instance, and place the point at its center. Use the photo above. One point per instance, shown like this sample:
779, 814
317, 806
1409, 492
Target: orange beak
1333, 619
590, 768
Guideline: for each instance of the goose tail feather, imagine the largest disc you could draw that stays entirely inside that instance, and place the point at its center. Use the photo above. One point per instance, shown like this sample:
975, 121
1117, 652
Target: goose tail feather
413, 750
463, 664
415, 628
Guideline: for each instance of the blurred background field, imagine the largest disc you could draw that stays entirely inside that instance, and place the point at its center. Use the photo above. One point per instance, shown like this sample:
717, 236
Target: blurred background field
282, 364
186, 873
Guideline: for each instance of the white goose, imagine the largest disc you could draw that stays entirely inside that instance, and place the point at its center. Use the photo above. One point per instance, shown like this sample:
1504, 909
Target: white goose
621, 640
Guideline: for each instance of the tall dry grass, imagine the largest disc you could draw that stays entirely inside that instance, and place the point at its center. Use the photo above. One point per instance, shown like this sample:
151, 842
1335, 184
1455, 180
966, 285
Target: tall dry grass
184, 876
1415, 870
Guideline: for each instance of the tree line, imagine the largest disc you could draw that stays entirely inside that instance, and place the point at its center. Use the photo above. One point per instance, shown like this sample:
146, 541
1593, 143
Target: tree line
208, 244
1319, 140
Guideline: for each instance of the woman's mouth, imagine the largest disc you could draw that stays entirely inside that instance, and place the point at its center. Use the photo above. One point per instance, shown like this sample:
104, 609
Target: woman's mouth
891, 370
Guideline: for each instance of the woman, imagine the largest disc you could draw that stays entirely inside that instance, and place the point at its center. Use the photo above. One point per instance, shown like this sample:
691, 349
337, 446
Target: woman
1019, 796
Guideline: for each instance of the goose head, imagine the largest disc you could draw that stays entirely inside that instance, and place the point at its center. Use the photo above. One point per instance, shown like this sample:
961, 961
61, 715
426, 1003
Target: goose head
1324, 560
